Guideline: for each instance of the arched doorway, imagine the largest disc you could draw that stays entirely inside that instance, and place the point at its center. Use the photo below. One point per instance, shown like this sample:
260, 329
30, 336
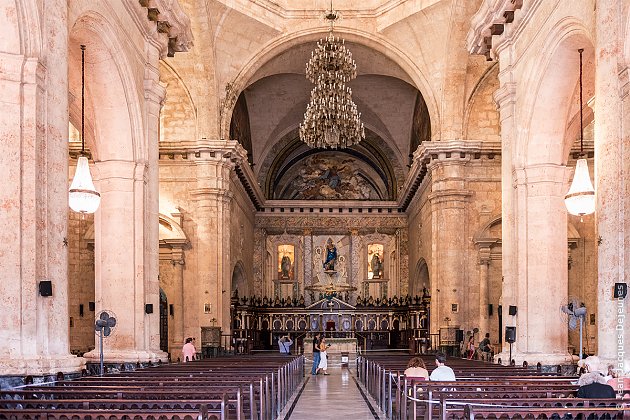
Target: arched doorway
421, 278
239, 281
163, 321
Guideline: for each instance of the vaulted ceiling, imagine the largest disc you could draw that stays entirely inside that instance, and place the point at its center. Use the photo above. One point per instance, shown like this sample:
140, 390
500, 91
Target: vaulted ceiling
273, 104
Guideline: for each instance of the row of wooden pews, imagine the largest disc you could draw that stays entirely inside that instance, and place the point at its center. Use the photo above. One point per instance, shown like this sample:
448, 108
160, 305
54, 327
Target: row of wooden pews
240, 387
482, 390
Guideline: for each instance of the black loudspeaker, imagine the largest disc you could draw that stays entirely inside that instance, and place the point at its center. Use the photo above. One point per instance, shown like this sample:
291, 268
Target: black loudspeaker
148, 308
512, 310
171, 309
620, 291
91, 306
45, 288
490, 309
459, 336
510, 334
80, 309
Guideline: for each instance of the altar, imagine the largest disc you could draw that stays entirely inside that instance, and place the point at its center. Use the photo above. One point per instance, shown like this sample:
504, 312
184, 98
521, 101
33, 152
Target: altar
347, 346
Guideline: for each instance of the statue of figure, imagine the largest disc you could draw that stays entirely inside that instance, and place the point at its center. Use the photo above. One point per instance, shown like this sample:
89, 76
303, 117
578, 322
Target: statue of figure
377, 266
331, 256
285, 266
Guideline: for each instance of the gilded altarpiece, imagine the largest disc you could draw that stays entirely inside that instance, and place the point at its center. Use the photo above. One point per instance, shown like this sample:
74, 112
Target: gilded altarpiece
354, 240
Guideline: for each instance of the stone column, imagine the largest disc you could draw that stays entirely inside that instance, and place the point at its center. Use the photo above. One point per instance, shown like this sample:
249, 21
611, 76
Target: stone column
542, 279
449, 198
611, 177
119, 256
484, 264
213, 198
34, 336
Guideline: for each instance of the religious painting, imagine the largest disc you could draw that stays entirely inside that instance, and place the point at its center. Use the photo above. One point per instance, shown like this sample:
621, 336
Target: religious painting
286, 260
331, 176
375, 261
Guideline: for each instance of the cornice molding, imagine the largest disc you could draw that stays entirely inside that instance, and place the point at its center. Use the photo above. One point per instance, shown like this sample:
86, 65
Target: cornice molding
172, 23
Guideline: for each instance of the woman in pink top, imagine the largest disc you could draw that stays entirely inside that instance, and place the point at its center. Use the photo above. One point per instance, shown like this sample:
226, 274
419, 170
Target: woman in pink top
188, 351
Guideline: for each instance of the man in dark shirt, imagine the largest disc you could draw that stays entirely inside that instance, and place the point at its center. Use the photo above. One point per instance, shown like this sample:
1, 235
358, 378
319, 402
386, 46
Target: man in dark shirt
316, 354
485, 348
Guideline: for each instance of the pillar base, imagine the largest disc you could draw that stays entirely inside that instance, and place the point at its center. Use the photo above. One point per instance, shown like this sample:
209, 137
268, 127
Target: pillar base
126, 356
41, 365
532, 359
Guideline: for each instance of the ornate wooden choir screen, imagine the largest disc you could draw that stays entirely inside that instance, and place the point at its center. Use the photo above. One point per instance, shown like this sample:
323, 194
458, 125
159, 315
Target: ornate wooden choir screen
388, 323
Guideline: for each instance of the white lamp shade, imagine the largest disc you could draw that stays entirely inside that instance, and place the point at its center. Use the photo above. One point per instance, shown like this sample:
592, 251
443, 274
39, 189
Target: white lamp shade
83, 196
580, 200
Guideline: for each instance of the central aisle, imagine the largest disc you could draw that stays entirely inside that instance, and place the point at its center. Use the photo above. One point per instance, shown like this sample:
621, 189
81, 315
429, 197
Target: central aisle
336, 396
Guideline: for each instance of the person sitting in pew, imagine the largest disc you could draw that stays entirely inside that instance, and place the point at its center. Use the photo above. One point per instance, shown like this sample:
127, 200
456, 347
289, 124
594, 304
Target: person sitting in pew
189, 351
593, 382
416, 369
593, 385
442, 372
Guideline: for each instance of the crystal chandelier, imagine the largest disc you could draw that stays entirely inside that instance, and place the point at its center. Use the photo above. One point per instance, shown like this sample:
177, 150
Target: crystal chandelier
83, 197
580, 200
331, 119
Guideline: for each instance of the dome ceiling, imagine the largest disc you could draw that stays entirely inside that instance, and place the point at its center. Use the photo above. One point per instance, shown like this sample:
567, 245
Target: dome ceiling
274, 104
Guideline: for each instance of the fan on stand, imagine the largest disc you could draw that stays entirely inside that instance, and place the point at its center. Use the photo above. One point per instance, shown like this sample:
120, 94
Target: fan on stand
104, 326
576, 313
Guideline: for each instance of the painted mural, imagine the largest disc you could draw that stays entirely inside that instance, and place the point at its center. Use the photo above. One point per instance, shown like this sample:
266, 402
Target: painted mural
332, 176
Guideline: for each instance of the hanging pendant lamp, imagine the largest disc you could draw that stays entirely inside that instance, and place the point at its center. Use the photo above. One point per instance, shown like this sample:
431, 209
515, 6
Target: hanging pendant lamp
580, 200
83, 197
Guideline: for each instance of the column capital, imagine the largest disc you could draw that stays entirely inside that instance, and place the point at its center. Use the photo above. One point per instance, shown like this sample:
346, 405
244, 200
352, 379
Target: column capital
484, 254
505, 96
450, 196
154, 91
116, 169
211, 193
543, 175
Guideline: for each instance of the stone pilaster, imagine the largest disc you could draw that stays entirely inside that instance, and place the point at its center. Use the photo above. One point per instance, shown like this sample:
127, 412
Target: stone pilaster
260, 238
505, 98
449, 199
34, 338
355, 253
611, 178
402, 237
484, 263
154, 95
308, 260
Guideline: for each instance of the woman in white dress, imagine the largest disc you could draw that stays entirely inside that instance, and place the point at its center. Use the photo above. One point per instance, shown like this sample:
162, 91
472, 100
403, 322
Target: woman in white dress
323, 361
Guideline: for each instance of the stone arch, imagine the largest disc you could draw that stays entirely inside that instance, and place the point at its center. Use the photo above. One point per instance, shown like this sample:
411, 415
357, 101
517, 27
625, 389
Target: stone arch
549, 102
486, 231
178, 100
112, 100
367, 39
481, 105
21, 28
239, 280
421, 278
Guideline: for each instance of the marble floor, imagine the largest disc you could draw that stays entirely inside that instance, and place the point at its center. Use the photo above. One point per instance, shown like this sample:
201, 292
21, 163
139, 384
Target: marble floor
336, 396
